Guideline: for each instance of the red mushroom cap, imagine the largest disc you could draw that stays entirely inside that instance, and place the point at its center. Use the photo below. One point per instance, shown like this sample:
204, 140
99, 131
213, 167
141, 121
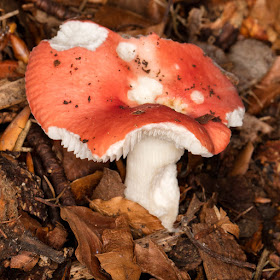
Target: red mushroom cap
100, 95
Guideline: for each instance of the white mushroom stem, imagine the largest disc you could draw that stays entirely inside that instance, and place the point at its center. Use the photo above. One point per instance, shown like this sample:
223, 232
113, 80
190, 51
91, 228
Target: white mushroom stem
151, 178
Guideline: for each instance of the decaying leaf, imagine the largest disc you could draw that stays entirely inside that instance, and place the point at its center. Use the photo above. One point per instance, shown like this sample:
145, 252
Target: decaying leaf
267, 90
255, 244
118, 259
87, 227
151, 9
155, 262
8, 69
25, 261
225, 223
263, 21
74, 167
12, 93
83, 187
242, 161
224, 245
268, 156
253, 128
16, 238
10, 135
110, 186
185, 255
119, 19
26, 185
138, 217
249, 70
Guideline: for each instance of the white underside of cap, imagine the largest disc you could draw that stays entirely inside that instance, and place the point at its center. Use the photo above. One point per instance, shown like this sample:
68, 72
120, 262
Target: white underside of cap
179, 135
76, 33
235, 118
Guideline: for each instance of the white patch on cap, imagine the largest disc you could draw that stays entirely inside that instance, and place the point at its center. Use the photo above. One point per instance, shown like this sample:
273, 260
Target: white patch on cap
126, 51
144, 90
76, 33
177, 66
175, 103
182, 138
235, 118
197, 97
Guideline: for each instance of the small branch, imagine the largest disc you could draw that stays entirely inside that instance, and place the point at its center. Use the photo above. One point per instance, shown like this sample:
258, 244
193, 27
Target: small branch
214, 254
43, 147
8, 15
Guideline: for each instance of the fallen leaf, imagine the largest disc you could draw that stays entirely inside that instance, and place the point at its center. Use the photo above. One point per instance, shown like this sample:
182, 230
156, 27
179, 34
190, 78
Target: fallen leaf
265, 92
118, 259
74, 167
87, 227
253, 128
241, 163
8, 69
224, 245
110, 186
119, 19
83, 187
24, 260
254, 244
138, 217
225, 223
12, 93
249, 70
155, 262
11, 133
151, 9
268, 158
185, 255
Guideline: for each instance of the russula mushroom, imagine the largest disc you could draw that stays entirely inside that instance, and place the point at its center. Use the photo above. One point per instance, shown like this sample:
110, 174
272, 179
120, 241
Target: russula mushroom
146, 98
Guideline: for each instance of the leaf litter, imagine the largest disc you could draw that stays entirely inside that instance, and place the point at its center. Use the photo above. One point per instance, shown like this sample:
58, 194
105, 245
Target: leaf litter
228, 225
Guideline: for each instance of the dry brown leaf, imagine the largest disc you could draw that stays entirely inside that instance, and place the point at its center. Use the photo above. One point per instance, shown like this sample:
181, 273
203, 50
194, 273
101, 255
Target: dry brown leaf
12, 93
224, 245
74, 167
151, 9
24, 260
241, 164
254, 244
119, 19
57, 237
138, 217
87, 227
83, 187
8, 69
267, 90
117, 258
268, 157
110, 186
157, 28
245, 66
263, 21
121, 168
10, 135
155, 262
225, 223
253, 129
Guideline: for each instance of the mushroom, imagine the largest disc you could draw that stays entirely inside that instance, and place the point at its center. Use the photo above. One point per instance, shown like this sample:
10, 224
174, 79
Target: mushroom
147, 99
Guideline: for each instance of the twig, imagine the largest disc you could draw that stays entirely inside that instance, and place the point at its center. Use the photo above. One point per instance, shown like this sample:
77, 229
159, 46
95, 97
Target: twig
45, 201
8, 15
214, 254
243, 213
21, 138
261, 264
43, 147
